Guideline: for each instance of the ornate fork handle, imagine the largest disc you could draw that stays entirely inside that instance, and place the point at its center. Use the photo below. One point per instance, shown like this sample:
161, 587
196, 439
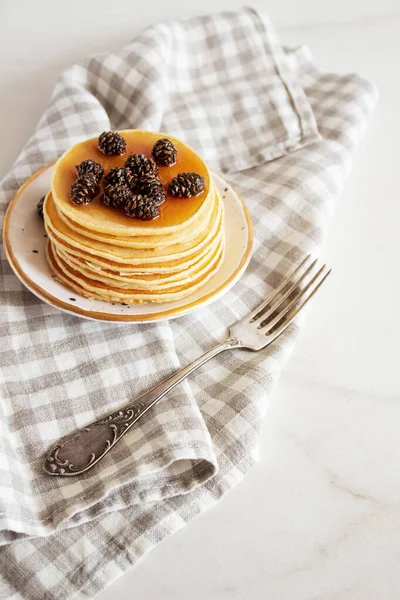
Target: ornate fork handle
80, 451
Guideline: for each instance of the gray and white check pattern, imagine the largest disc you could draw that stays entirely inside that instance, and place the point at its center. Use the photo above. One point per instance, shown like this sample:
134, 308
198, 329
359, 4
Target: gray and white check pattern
285, 133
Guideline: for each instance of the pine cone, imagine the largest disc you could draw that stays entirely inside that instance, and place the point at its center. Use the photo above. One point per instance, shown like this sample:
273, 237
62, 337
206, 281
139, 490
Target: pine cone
111, 143
116, 176
186, 185
164, 152
141, 207
116, 195
84, 189
90, 167
137, 166
40, 206
157, 194
149, 186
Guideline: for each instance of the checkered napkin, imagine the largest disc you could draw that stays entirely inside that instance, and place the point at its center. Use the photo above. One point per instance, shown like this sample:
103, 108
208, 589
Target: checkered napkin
285, 133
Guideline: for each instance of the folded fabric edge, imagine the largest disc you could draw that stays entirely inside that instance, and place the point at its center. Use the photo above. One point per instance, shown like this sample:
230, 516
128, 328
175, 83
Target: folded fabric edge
307, 123
185, 470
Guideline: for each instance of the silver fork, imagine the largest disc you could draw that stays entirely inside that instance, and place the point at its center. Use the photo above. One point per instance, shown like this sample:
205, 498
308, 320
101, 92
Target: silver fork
80, 451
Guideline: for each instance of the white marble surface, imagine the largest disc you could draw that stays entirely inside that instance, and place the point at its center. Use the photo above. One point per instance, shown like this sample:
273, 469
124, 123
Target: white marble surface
319, 517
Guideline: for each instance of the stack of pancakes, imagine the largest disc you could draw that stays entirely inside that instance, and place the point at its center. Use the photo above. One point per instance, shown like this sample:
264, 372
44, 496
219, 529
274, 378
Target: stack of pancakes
101, 253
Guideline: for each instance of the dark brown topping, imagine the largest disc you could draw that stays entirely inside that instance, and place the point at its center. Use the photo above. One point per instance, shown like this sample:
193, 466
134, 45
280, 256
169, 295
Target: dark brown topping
116, 195
164, 152
116, 176
90, 167
142, 177
150, 186
84, 189
141, 207
186, 185
157, 194
111, 143
39, 206
138, 166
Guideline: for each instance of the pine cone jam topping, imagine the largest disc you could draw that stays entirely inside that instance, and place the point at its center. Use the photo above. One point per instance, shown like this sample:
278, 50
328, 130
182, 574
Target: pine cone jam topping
39, 206
111, 143
186, 185
116, 176
90, 167
141, 207
164, 153
136, 187
84, 189
138, 166
116, 196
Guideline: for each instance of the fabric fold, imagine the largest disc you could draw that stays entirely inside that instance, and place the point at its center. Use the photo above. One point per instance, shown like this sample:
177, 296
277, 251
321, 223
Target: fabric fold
167, 455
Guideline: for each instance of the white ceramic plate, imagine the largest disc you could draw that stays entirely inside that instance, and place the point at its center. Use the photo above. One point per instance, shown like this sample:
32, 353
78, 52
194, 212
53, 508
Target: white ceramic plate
24, 240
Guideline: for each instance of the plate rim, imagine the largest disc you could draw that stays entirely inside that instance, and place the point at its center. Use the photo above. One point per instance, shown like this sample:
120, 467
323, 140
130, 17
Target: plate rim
45, 296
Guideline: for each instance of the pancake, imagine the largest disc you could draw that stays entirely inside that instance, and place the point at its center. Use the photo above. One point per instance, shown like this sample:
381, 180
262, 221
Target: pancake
116, 270
101, 253
62, 234
144, 281
91, 289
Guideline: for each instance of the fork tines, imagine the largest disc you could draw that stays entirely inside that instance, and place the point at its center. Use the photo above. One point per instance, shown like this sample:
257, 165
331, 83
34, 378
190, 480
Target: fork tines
290, 297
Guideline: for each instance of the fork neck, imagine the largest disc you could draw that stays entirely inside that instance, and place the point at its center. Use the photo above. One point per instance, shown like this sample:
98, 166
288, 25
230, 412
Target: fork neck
228, 344
231, 342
